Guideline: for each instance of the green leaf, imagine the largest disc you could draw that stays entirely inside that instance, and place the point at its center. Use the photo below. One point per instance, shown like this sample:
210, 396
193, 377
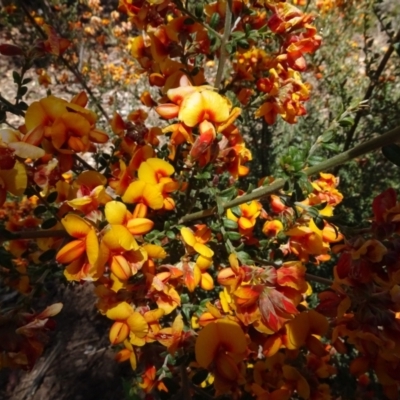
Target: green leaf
238, 35
244, 257
52, 197
16, 77
298, 165
49, 223
170, 235
229, 224
347, 121
319, 222
314, 160
299, 192
228, 194
48, 255
237, 212
392, 153
326, 136
331, 146
39, 210
321, 206
198, 11
214, 21
233, 235
313, 212
185, 298
22, 106
396, 46
203, 175
22, 91
243, 43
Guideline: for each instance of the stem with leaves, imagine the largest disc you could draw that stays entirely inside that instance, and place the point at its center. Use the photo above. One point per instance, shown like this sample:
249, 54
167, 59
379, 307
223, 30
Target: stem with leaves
371, 87
361, 149
224, 41
66, 63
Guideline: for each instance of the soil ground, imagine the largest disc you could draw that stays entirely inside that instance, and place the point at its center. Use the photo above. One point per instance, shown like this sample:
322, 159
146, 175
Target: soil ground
78, 363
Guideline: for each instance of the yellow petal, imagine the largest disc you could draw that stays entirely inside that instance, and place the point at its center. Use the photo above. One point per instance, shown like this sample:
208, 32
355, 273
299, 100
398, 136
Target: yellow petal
153, 169
152, 195
204, 262
8, 135
90, 179
319, 325
35, 115
222, 333
121, 312
121, 268
138, 325
92, 247
297, 330
118, 332
207, 282
302, 387
115, 212
76, 226
218, 107
26, 150
134, 193
188, 236
203, 250
71, 251
15, 180
192, 110
154, 251
53, 106
140, 226
118, 237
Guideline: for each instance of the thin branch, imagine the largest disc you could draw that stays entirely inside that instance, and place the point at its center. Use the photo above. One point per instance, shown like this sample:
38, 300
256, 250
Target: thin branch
11, 107
36, 235
84, 163
319, 279
66, 63
371, 87
224, 40
363, 148
181, 8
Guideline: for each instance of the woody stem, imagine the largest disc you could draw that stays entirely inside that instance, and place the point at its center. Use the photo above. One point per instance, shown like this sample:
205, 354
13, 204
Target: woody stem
357, 151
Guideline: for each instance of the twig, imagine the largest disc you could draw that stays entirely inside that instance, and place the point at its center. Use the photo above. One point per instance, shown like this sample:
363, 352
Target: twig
11, 107
36, 235
319, 279
66, 63
363, 148
371, 87
181, 8
224, 40
84, 163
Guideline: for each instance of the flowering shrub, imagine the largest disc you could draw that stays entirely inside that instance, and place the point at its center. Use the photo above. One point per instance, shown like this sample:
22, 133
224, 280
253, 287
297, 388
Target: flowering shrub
203, 281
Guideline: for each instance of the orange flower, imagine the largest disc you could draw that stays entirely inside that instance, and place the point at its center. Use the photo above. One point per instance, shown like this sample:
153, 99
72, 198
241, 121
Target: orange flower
171, 337
196, 240
246, 215
86, 241
272, 228
221, 347
13, 180
67, 125
127, 322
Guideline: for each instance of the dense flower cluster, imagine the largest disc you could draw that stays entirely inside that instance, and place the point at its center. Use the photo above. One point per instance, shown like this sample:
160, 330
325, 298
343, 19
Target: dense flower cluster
184, 264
